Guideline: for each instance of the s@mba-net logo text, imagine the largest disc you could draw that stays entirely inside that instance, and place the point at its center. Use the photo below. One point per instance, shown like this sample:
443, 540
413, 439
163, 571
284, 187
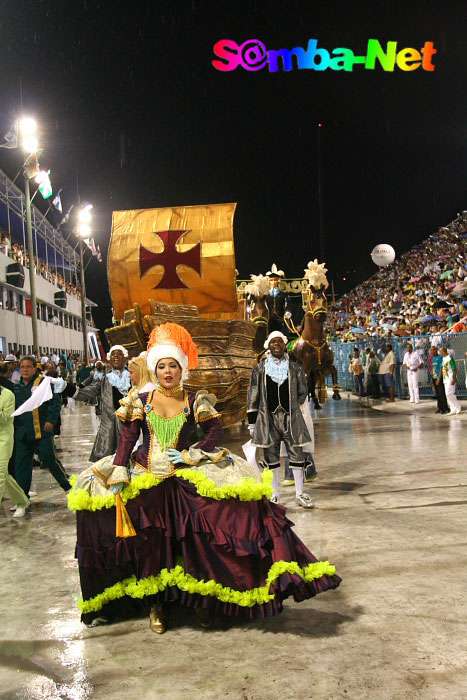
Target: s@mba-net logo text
252, 55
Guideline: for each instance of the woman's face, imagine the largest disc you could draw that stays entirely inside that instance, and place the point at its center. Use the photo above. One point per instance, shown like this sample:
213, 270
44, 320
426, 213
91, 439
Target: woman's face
168, 373
134, 373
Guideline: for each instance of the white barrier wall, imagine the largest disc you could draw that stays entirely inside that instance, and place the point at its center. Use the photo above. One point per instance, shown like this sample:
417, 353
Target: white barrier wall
45, 290
17, 328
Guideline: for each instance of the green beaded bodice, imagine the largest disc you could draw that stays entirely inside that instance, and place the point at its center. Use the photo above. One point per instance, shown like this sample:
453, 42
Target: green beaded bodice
166, 430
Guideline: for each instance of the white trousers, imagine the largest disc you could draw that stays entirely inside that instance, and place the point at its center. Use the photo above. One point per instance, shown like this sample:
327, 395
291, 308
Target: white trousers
412, 381
450, 390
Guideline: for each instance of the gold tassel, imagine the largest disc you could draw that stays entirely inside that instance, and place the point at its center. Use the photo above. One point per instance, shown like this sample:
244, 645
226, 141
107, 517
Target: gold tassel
124, 525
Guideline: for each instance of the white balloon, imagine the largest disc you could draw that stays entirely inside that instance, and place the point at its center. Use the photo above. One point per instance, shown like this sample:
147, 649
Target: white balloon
383, 254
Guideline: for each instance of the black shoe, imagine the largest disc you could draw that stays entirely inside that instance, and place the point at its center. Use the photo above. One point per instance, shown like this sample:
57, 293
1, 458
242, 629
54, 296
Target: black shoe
438, 411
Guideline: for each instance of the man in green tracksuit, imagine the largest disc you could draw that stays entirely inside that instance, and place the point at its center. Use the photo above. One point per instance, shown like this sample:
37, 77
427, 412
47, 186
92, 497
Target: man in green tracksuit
34, 429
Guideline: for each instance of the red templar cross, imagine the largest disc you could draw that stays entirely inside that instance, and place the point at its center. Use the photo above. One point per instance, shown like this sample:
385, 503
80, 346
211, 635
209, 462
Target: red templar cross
169, 259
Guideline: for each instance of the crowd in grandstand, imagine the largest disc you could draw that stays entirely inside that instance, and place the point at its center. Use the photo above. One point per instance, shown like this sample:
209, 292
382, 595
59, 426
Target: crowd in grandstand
424, 291
18, 253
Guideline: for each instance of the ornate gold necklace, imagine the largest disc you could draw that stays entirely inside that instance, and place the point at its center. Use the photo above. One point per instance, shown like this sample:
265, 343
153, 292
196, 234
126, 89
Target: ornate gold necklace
169, 392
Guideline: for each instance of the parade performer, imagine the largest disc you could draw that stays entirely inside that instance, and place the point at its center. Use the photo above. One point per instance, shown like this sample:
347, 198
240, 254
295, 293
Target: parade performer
311, 472
449, 377
15, 492
277, 302
437, 380
277, 389
142, 380
107, 392
37, 413
197, 528
412, 363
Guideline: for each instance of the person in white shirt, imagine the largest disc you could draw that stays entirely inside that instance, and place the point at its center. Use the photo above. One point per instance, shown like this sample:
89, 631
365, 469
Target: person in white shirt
412, 363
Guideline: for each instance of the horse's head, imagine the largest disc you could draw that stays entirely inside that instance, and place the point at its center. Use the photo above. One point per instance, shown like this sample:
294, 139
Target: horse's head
257, 290
317, 305
259, 312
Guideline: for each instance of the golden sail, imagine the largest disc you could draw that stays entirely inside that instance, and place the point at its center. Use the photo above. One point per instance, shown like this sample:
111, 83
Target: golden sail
175, 255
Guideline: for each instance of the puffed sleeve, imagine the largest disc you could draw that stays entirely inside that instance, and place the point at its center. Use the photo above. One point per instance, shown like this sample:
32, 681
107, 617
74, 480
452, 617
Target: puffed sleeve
204, 406
131, 414
208, 417
131, 407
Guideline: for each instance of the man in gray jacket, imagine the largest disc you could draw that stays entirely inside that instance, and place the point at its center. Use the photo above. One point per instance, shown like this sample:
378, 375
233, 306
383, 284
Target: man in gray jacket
278, 387
108, 390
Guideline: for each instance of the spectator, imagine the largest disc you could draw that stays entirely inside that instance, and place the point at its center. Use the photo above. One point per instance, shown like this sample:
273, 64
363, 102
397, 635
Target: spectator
398, 297
63, 369
14, 373
373, 371
386, 369
356, 367
83, 373
6, 370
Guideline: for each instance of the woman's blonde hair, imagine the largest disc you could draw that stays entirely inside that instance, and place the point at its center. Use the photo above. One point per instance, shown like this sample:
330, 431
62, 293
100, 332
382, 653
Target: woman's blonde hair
145, 375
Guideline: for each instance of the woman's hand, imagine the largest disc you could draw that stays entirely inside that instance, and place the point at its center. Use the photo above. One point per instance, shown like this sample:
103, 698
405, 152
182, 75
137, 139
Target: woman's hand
118, 488
175, 456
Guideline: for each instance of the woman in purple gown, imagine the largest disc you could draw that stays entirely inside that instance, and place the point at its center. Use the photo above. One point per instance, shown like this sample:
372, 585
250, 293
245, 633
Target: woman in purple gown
169, 522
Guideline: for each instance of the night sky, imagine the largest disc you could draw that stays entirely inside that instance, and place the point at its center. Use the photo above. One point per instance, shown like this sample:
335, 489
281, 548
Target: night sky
132, 112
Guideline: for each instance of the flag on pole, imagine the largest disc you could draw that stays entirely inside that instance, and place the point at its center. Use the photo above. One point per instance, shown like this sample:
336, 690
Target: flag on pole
92, 246
45, 186
31, 167
11, 137
57, 202
65, 218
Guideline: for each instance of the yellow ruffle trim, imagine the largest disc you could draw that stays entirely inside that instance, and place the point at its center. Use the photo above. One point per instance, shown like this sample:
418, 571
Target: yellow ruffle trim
185, 582
246, 490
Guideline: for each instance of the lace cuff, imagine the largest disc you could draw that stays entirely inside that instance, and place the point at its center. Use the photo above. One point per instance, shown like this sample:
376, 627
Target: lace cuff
195, 456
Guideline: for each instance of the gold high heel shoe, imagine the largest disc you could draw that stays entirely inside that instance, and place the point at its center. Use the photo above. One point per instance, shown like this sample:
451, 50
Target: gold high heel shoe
204, 618
157, 621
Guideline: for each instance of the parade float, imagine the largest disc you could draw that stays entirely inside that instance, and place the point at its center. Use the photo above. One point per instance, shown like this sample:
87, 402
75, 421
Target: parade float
178, 264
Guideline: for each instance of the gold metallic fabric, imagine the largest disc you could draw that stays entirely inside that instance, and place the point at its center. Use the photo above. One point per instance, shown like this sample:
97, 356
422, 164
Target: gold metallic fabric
177, 255
124, 526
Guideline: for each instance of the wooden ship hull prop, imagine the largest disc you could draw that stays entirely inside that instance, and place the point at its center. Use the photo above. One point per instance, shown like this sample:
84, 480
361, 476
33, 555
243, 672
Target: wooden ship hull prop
225, 347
